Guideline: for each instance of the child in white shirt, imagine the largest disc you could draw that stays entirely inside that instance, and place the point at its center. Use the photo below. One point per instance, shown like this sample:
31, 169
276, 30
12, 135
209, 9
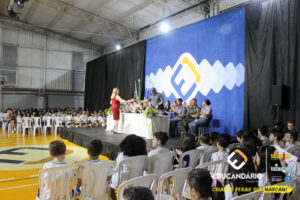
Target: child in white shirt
291, 139
275, 137
158, 141
204, 141
222, 144
57, 150
94, 149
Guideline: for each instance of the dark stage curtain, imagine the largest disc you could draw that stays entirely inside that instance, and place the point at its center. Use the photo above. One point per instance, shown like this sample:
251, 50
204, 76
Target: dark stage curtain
95, 84
120, 69
123, 69
272, 57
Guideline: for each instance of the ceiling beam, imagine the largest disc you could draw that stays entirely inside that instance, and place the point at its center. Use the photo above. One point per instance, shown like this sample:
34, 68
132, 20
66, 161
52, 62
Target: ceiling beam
31, 11
89, 16
59, 15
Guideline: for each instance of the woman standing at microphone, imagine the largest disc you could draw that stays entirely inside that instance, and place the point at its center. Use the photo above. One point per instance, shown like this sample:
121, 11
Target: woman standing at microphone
115, 107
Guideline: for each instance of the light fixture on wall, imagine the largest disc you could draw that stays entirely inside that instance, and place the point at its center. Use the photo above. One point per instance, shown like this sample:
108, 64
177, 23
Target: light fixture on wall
118, 47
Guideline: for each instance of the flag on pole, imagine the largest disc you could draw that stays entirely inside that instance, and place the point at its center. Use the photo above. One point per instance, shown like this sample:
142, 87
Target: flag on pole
139, 90
134, 94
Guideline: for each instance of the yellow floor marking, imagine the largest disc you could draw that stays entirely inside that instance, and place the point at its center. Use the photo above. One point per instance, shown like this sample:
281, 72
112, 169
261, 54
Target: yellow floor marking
6, 179
21, 186
17, 183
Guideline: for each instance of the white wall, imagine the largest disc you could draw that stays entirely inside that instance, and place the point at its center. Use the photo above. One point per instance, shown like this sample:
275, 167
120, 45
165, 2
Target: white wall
44, 64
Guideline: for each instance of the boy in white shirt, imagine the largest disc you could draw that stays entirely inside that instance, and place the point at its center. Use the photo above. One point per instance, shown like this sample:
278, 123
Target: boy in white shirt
57, 151
159, 140
262, 135
275, 137
204, 141
222, 144
291, 139
94, 149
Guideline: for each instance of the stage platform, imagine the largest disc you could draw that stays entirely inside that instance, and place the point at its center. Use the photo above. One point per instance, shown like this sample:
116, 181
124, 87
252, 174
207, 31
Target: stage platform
82, 136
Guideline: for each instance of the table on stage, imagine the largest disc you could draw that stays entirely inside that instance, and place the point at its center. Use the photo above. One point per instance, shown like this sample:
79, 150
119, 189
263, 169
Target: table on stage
134, 123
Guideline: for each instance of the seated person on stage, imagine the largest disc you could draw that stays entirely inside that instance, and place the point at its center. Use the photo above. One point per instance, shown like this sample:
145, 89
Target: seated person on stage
204, 141
57, 151
156, 99
178, 111
167, 108
263, 134
94, 149
223, 143
159, 140
135, 107
205, 115
137, 193
191, 115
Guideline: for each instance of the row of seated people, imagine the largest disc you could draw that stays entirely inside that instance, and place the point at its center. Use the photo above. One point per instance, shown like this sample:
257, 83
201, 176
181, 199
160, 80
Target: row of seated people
257, 167
13, 118
189, 117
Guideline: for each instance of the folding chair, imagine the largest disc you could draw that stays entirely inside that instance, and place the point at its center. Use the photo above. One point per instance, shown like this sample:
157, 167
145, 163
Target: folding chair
148, 181
94, 183
58, 182
179, 177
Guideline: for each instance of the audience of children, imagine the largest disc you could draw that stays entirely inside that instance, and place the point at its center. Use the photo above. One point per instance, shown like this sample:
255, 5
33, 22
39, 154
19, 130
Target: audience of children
70, 117
200, 182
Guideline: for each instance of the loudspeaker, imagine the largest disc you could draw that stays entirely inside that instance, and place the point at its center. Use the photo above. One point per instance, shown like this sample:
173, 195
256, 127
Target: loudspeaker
277, 95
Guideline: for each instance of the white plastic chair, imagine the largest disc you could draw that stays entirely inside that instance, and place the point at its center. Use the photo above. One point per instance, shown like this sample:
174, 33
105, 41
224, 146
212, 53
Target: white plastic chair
179, 177
27, 125
160, 163
148, 181
48, 123
250, 196
37, 125
207, 154
94, 181
130, 168
194, 157
58, 124
219, 166
58, 182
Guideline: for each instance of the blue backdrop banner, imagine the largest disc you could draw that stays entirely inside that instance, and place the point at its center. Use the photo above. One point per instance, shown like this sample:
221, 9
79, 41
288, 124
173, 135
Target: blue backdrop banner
202, 60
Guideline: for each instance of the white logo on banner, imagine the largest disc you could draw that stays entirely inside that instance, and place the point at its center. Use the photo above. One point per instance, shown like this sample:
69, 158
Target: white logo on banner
186, 78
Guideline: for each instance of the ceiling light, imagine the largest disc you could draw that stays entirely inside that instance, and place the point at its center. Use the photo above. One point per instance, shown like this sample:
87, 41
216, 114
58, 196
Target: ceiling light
165, 27
118, 46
